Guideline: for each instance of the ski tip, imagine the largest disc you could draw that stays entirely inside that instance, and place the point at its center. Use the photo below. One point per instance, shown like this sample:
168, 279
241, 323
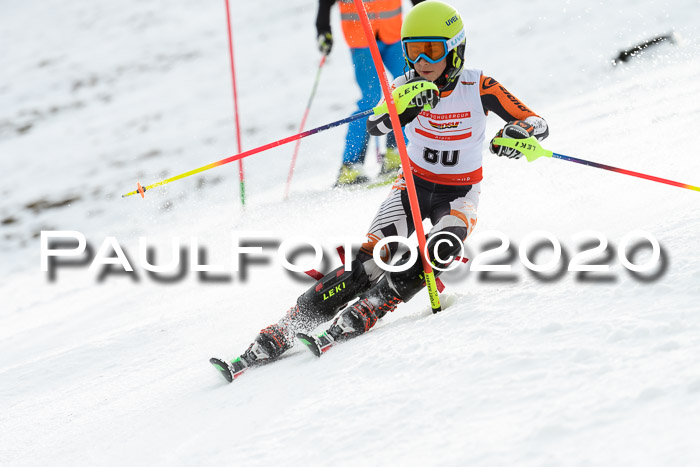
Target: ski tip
381, 182
310, 342
223, 368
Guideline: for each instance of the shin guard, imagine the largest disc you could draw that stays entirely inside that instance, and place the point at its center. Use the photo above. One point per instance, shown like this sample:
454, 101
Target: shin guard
332, 292
406, 284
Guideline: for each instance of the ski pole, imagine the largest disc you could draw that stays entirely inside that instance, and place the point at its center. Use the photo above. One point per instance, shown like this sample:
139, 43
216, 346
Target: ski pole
532, 150
241, 175
379, 154
428, 273
141, 189
301, 127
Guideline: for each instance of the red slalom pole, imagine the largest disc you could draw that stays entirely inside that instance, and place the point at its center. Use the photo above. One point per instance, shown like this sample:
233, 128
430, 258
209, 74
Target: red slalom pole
301, 127
241, 175
405, 161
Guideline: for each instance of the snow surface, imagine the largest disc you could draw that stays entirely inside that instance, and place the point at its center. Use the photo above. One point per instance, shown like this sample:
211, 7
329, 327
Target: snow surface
518, 370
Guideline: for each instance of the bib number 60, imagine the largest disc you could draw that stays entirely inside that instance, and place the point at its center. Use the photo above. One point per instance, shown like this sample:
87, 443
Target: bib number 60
446, 158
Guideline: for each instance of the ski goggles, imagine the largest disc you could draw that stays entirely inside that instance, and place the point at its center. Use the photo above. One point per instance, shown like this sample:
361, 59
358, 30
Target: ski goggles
431, 49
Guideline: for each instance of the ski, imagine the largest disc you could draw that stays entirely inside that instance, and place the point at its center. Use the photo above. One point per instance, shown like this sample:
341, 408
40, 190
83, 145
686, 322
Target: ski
229, 370
317, 345
380, 181
233, 369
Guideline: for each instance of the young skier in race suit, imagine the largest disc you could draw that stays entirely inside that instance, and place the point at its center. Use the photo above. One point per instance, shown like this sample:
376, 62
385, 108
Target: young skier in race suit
445, 124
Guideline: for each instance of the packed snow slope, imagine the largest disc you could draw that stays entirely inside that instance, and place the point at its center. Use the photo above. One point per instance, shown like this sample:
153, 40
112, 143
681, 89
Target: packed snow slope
520, 369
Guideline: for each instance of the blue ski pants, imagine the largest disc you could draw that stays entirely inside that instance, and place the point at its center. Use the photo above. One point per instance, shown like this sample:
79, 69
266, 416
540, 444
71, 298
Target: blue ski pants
366, 76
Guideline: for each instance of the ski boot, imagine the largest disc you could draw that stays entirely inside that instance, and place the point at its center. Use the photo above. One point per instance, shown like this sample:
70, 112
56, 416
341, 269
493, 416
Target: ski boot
355, 320
350, 175
391, 163
272, 342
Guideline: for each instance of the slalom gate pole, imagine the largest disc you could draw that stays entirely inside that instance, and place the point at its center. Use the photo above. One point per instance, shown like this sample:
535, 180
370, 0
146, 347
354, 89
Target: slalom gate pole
428, 273
301, 127
241, 175
141, 189
532, 150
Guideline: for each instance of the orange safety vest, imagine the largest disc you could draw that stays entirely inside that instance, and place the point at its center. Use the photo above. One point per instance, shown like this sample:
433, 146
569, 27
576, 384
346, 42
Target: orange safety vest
384, 15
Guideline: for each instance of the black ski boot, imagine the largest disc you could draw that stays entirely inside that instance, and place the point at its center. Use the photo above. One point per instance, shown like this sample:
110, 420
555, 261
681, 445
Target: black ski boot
272, 342
355, 320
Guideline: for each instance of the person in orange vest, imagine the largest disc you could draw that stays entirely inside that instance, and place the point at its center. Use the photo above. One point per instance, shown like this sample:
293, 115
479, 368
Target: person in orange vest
385, 17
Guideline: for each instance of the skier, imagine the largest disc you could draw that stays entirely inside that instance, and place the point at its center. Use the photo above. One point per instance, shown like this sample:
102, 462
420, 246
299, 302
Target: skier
445, 123
385, 16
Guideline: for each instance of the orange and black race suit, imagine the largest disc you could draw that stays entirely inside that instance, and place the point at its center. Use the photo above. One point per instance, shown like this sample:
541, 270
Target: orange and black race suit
445, 143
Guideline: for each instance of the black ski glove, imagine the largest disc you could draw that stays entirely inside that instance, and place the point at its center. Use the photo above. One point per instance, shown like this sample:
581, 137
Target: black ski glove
425, 100
516, 129
325, 42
